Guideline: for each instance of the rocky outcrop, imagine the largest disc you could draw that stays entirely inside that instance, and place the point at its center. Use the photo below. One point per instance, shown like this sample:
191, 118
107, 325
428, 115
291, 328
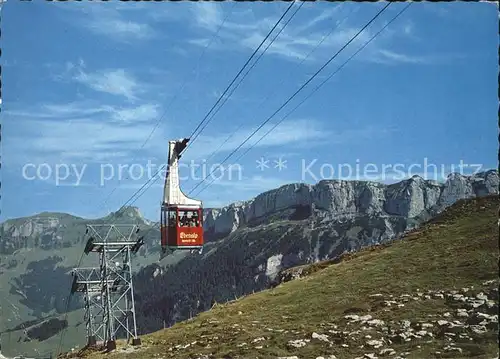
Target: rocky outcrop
337, 200
410, 198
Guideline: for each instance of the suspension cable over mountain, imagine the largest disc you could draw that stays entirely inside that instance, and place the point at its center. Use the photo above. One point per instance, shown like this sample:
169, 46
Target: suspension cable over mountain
313, 91
297, 91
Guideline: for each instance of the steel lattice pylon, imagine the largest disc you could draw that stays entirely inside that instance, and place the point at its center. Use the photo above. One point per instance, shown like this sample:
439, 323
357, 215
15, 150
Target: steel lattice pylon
88, 281
109, 289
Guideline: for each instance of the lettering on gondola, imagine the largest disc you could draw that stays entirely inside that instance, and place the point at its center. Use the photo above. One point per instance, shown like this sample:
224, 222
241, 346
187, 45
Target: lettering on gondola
189, 235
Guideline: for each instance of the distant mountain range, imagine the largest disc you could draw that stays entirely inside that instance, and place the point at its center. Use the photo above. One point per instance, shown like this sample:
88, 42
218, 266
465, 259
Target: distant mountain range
248, 244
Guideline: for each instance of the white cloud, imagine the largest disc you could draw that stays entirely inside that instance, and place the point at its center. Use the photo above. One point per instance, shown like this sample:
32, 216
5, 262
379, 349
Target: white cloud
108, 19
115, 82
90, 109
199, 42
319, 18
389, 57
78, 140
64, 111
301, 134
93, 131
142, 113
409, 28
207, 15
82, 132
90, 132
120, 29
70, 109
244, 30
295, 42
297, 132
303, 34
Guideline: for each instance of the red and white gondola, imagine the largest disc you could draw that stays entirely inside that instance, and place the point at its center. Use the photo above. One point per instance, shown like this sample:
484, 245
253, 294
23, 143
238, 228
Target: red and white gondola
181, 222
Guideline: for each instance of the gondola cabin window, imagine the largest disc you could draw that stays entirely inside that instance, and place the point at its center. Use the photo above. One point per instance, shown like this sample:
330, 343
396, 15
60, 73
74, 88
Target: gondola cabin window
172, 217
189, 218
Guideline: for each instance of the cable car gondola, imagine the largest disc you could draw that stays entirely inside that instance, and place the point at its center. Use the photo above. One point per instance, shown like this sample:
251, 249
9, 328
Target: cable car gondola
181, 217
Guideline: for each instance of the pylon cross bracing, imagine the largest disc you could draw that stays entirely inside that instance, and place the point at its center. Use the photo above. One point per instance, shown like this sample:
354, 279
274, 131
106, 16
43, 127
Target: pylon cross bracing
111, 282
88, 282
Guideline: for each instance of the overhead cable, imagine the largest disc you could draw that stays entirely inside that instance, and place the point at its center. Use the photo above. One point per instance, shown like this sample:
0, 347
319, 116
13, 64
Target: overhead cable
138, 193
318, 87
167, 108
299, 89
270, 94
239, 72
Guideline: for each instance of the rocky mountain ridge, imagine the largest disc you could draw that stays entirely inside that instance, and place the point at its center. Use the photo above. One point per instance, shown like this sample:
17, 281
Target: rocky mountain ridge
410, 198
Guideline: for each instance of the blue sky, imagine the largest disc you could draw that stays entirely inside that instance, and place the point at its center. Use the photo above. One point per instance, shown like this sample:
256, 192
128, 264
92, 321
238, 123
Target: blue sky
85, 83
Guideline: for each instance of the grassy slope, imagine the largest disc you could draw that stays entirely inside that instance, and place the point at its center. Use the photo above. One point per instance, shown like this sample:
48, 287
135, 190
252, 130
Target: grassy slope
458, 249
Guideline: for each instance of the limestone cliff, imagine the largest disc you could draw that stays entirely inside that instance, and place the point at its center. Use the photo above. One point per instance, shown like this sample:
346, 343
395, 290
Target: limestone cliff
410, 198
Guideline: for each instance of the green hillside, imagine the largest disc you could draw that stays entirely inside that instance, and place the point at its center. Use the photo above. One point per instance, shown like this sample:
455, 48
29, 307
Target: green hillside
433, 294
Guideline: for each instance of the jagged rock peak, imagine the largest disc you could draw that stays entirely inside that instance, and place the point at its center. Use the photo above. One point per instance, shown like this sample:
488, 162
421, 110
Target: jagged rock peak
129, 211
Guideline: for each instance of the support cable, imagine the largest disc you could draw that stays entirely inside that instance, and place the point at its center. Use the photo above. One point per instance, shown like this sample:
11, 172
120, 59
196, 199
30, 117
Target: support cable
272, 93
239, 72
137, 194
319, 86
160, 119
250, 69
298, 90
